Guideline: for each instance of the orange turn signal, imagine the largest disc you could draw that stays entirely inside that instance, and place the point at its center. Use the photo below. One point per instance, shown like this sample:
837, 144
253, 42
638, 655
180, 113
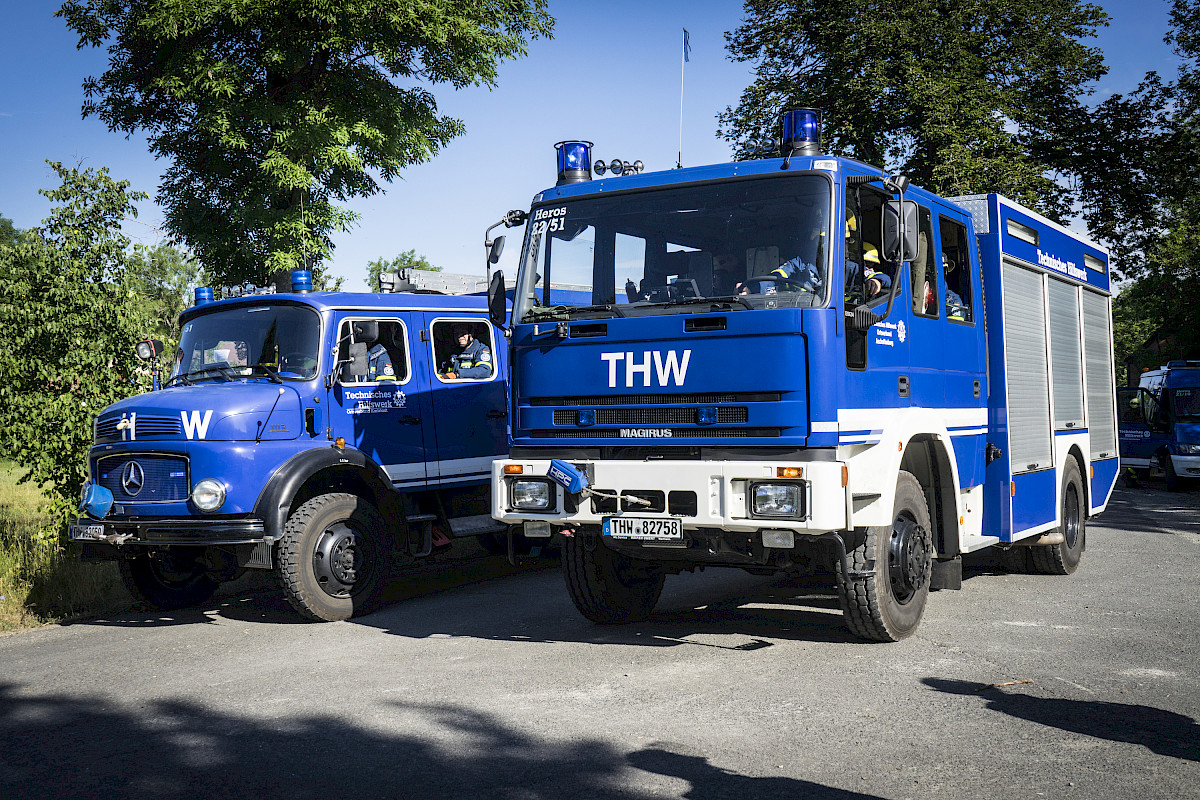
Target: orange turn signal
789, 472
514, 469
845, 476
340, 443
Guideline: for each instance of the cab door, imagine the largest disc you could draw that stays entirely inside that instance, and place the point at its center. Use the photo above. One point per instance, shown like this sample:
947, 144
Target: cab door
384, 411
469, 404
1139, 439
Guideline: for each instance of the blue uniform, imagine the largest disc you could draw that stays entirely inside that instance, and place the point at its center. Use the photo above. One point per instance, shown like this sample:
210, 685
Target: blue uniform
473, 362
379, 365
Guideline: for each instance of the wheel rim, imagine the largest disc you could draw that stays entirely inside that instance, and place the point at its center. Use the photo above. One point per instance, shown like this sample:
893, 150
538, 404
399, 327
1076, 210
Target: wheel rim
908, 559
339, 560
1071, 517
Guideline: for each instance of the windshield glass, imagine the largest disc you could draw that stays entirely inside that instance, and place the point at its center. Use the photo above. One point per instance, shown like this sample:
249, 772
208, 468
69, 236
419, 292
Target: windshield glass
274, 340
1187, 403
743, 244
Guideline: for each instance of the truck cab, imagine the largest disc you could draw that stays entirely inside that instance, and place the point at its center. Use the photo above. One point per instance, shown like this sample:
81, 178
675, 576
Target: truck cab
316, 434
1160, 423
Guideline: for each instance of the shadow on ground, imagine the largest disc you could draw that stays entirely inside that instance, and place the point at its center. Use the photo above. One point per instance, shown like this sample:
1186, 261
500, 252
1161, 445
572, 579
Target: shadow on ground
1163, 732
53, 746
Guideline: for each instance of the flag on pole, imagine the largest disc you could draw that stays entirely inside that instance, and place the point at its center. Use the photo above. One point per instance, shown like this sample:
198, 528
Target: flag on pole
687, 47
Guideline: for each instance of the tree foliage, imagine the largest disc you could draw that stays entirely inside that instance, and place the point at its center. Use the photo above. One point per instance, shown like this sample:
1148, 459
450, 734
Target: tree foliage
1140, 167
963, 96
69, 319
406, 260
271, 111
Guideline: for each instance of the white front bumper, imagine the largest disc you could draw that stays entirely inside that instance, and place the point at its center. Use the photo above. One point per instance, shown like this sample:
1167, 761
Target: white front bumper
720, 488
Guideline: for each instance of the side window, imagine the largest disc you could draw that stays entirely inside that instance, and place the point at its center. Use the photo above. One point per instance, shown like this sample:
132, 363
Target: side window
387, 356
462, 350
924, 272
868, 278
956, 264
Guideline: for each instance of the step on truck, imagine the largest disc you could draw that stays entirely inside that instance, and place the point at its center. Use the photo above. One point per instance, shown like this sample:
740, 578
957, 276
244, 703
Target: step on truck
799, 363
321, 435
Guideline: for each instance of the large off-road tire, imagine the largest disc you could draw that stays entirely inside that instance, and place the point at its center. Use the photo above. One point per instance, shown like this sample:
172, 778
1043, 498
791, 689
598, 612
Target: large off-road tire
167, 579
887, 606
1063, 558
334, 557
1170, 476
609, 587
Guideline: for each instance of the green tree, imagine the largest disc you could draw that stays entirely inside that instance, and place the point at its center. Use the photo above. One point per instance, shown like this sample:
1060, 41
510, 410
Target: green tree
165, 276
273, 110
963, 96
406, 260
69, 320
8, 232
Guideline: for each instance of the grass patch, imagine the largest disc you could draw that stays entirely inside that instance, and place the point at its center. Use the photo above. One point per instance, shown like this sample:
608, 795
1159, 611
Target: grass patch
43, 581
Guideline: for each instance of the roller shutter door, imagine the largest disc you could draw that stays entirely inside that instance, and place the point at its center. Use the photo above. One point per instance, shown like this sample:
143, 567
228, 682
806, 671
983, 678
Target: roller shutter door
1065, 355
1028, 389
1098, 354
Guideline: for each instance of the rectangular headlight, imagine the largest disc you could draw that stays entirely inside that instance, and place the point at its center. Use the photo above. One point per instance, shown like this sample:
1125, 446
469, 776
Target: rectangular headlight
531, 495
1189, 449
777, 499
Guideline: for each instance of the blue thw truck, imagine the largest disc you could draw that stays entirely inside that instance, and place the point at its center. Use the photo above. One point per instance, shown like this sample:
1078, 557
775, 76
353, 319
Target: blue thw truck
1160, 423
316, 434
797, 363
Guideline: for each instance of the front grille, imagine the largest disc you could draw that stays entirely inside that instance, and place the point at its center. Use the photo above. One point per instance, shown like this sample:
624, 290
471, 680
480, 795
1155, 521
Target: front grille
164, 479
658, 399
676, 433
143, 427
652, 416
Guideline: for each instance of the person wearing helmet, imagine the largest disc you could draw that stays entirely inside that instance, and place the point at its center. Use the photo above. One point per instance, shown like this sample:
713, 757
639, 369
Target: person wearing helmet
955, 309
474, 361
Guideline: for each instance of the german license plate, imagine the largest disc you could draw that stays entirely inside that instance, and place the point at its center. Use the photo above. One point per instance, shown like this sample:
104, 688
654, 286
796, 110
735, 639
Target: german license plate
86, 532
654, 529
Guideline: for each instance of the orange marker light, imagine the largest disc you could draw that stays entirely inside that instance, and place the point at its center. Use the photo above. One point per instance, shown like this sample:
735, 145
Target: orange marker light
845, 476
789, 472
514, 469
1012, 489
340, 443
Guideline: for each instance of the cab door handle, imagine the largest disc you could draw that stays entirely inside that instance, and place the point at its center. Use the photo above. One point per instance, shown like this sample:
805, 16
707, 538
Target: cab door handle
497, 413
409, 420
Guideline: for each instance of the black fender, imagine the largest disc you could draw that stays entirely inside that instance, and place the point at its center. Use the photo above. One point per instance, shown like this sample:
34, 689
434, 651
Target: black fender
275, 500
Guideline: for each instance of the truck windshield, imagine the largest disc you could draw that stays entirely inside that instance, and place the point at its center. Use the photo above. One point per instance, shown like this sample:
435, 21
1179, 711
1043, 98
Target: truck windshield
752, 244
1187, 403
278, 342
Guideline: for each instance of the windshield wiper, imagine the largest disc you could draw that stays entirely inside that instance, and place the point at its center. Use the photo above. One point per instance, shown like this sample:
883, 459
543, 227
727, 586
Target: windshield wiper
614, 310
186, 377
181, 378
722, 300
271, 373
537, 313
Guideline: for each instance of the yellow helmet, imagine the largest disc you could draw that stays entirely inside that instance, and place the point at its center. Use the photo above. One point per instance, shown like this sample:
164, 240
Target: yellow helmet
851, 224
870, 254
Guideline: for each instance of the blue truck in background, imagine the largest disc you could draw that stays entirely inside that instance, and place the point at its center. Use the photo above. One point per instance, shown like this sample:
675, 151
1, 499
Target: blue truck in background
317, 434
1160, 423
801, 363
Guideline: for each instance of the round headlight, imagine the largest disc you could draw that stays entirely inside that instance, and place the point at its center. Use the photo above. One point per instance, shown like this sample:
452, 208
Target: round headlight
208, 495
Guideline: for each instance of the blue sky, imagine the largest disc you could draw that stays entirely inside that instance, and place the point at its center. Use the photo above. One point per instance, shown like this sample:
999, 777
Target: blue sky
611, 75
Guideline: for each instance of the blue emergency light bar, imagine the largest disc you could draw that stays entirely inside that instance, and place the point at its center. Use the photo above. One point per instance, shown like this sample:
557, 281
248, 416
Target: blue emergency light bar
801, 132
302, 280
574, 162
203, 294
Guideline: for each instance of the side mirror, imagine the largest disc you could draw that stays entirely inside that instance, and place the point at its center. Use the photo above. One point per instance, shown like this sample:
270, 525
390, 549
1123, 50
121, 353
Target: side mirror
895, 249
148, 349
356, 369
496, 300
496, 249
366, 331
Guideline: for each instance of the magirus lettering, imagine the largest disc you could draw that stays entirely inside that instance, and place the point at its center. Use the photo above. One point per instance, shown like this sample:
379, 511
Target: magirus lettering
646, 433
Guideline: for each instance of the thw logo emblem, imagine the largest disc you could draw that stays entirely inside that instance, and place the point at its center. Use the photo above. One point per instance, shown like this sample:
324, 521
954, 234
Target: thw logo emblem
195, 426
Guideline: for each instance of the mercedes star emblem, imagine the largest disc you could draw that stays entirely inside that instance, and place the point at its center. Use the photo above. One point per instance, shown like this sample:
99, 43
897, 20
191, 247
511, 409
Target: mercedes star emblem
132, 478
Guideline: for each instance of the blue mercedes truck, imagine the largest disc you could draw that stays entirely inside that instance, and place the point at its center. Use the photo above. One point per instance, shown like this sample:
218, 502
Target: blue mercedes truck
322, 435
802, 363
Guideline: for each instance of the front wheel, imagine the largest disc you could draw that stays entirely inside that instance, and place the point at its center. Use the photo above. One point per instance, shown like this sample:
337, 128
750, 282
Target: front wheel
609, 587
334, 556
1169, 475
167, 580
887, 605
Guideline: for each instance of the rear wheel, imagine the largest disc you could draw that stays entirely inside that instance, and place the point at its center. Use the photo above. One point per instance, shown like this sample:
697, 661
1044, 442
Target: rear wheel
887, 606
1063, 558
334, 556
609, 587
168, 579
